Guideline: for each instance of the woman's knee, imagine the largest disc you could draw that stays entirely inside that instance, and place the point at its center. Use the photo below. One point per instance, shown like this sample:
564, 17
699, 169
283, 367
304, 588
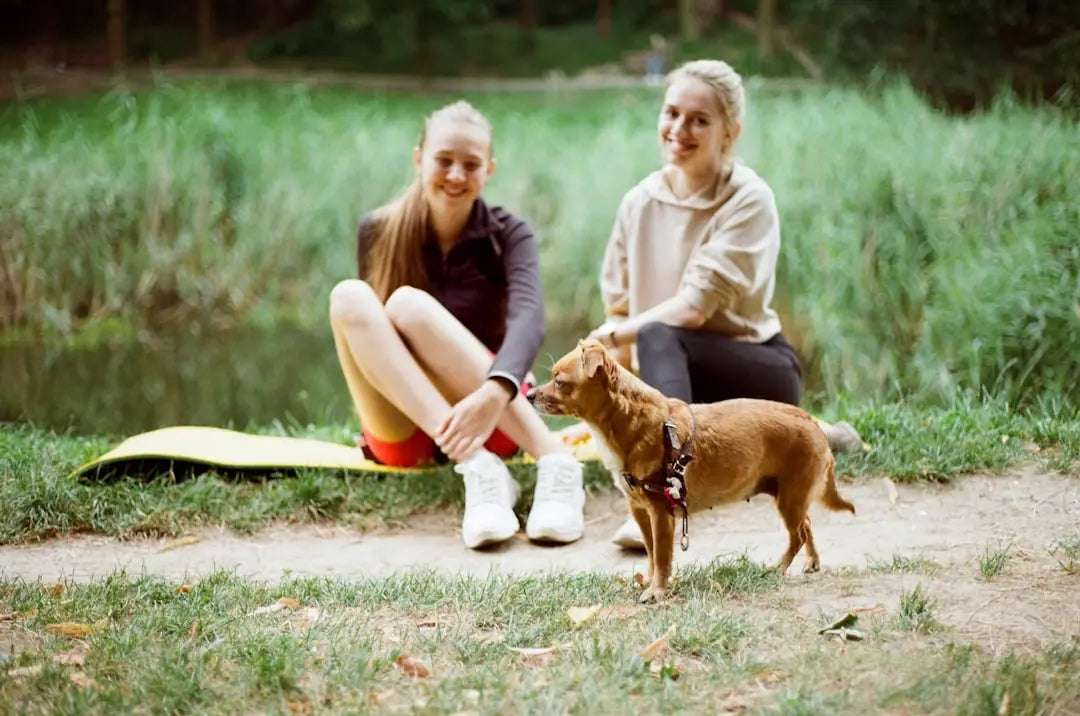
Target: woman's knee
353, 301
411, 309
657, 337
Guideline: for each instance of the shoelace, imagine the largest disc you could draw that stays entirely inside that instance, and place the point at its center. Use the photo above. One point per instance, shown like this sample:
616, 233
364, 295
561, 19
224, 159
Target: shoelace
556, 483
483, 482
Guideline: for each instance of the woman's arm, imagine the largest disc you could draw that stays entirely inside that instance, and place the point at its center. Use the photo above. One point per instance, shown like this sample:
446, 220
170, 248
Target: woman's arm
675, 311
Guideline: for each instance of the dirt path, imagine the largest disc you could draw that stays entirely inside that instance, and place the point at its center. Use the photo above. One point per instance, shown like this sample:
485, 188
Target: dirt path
947, 525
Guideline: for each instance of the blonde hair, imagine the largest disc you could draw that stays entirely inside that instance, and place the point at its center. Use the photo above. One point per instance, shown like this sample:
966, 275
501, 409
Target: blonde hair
725, 83
401, 226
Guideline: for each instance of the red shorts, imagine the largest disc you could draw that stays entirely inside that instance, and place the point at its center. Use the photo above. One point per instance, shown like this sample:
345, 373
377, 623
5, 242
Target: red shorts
419, 448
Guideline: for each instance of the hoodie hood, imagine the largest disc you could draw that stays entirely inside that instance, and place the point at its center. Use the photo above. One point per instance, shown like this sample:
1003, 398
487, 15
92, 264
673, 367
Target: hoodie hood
658, 186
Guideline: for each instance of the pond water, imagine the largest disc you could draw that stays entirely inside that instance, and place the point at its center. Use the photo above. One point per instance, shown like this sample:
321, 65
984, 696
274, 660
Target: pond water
235, 379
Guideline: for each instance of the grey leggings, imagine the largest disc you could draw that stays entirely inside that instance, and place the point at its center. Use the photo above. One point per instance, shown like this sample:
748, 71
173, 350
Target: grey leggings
704, 367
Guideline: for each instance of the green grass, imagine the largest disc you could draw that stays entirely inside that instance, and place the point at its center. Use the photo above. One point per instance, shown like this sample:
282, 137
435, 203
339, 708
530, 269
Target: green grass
902, 564
1066, 550
224, 644
923, 254
916, 611
992, 560
908, 443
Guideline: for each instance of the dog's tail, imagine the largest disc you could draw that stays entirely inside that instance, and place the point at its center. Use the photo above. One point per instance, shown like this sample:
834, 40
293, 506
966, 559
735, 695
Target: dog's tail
830, 497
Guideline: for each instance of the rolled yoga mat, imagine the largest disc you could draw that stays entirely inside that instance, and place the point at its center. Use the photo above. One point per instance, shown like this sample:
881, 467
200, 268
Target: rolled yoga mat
232, 450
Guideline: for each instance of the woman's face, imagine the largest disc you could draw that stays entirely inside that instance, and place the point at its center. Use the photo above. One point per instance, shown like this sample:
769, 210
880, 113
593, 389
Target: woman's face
693, 131
454, 165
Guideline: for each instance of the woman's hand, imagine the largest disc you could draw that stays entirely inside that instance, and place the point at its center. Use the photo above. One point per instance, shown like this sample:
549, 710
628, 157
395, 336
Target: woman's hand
472, 420
605, 333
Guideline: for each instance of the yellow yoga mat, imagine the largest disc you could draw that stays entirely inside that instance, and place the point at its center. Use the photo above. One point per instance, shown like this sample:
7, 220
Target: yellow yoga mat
242, 451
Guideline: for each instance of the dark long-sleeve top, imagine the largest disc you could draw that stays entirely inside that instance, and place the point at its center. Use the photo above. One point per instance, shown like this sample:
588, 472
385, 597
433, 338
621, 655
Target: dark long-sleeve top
489, 281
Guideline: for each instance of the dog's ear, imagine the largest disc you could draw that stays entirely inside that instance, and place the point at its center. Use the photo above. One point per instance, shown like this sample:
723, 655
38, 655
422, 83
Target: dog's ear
593, 359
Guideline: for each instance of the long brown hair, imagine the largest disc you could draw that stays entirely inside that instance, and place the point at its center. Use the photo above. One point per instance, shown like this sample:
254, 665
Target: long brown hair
401, 226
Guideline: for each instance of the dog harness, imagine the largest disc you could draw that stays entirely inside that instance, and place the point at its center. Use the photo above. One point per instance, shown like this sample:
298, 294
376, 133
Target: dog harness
669, 480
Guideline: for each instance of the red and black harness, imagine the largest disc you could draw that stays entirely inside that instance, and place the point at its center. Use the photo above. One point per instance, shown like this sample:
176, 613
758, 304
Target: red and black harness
669, 480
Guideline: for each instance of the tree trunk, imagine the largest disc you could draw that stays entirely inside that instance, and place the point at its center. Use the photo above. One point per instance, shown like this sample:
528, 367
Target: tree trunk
766, 29
603, 18
527, 20
688, 22
117, 33
205, 20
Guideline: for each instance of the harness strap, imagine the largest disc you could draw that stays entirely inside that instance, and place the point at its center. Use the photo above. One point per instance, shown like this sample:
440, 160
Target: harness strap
669, 480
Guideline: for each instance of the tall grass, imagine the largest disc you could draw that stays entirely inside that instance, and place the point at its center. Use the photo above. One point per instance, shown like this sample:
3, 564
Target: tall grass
922, 253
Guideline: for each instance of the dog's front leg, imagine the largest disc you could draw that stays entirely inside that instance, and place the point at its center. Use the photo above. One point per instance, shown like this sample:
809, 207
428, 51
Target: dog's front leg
641, 516
662, 553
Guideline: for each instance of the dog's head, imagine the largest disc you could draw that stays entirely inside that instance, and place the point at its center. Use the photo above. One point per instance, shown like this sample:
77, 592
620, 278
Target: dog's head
581, 382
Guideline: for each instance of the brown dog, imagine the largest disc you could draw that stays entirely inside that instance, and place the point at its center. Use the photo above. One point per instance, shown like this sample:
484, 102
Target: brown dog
740, 448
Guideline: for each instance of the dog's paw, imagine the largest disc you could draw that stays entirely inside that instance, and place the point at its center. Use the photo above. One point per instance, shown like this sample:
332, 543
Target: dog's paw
653, 595
812, 565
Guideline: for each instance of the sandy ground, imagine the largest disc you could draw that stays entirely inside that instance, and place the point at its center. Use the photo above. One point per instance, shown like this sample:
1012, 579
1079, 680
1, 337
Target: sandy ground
949, 525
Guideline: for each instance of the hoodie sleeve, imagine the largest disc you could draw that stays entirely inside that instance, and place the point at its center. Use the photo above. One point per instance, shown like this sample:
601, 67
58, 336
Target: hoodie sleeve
614, 276
738, 255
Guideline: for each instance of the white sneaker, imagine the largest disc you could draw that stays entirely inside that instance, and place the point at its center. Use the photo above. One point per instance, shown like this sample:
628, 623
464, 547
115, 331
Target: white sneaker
490, 494
558, 511
628, 536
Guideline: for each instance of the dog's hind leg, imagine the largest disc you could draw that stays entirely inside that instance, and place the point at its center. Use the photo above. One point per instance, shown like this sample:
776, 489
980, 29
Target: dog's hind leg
813, 561
793, 510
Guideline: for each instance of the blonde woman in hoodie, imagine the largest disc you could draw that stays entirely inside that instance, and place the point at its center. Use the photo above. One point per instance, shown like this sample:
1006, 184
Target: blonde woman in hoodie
690, 269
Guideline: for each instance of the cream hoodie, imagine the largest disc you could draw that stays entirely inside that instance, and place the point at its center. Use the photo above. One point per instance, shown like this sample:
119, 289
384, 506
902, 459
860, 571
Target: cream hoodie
717, 249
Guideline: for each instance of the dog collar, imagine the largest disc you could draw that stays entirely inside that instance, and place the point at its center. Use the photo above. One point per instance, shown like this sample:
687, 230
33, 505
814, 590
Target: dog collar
669, 480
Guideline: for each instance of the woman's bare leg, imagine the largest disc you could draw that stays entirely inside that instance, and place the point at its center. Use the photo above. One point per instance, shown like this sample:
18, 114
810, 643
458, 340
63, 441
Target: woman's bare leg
458, 362
389, 388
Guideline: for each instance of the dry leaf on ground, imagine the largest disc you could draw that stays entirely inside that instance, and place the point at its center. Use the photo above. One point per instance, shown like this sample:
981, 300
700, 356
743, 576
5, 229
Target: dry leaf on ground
183, 589
890, 488
72, 657
283, 603
178, 543
624, 611
72, 629
532, 650
639, 579
580, 615
657, 646
22, 671
411, 667
55, 590
82, 680
7, 617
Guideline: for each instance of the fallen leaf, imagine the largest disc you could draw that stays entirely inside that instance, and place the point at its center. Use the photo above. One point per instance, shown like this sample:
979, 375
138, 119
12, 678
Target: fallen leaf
300, 706
283, 603
55, 590
413, 668
72, 657
21, 671
6, 617
307, 617
532, 650
658, 668
639, 579
624, 611
71, 629
489, 637
876, 608
620, 580
657, 646
82, 680
288, 603
845, 634
380, 697
847, 620
178, 543
183, 589
193, 630
770, 677
890, 488
580, 615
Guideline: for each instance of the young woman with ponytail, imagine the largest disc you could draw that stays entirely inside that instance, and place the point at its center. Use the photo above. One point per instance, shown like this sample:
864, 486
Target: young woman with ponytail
690, 268
436, 336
